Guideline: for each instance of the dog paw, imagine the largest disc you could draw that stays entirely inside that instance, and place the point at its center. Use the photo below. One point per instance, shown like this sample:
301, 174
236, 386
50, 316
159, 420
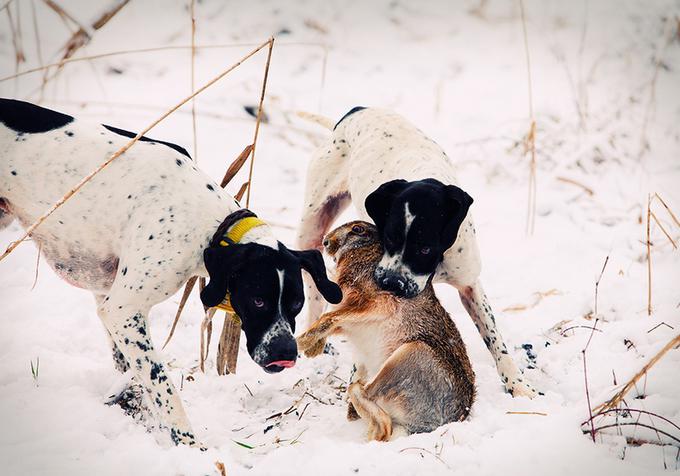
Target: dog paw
316, 349
520, 388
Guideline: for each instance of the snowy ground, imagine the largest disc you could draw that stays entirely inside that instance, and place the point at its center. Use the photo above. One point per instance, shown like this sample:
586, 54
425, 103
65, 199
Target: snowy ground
607, 108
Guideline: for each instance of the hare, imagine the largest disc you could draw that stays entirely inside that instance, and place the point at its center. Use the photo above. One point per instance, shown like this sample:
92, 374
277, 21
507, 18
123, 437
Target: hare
412, 369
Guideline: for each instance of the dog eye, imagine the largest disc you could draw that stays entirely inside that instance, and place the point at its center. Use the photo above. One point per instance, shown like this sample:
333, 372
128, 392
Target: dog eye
425, 250
358, 229
258, 302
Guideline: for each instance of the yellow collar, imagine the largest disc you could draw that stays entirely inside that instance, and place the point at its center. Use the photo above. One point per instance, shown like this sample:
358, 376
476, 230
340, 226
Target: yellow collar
239, 229
233, 236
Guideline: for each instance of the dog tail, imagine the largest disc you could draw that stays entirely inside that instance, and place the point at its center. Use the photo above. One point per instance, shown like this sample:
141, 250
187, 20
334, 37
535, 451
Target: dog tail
321, 120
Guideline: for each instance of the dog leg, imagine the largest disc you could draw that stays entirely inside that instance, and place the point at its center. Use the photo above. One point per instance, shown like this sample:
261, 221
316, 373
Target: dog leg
313, 340
477, 306
326, 196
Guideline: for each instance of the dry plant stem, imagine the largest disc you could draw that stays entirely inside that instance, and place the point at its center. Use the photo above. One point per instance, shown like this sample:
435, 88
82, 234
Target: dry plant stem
151, 50
123, 149
526, 413
62, 13
5, 5
637, 424
670, 212
597, 283
633, 410
37, 267
18, 53
259, 118
649, 261
530, 144
241, 191
616, 399
664, 230
36, 30
185, 297
585, 378
236, 165
588, 190
193, 75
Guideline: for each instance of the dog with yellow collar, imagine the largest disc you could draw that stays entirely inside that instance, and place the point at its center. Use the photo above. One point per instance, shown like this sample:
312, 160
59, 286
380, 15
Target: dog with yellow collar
164, 222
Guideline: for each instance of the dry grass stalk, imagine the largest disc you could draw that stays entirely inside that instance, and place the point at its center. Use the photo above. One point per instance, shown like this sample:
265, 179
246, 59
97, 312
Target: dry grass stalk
206, 335
193, 75
153, 50
6, 5
538, 297
38, 47
37, 266
127, 146
19, 56
670, 212
220, 467
585, 376
616, 399
649, 260
597, 283
526, 413
227, 349
664, 230
63, 14
586, 189
185, 297
530, 140
241, 191
259, 119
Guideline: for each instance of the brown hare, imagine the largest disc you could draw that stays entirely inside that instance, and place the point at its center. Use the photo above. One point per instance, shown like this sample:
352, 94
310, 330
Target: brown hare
412, 369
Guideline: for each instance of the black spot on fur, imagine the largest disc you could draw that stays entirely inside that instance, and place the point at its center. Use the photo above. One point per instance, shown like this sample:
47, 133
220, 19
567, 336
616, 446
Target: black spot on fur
69, 133
25, 117
131, 135
178, 162
210, 187
13, 172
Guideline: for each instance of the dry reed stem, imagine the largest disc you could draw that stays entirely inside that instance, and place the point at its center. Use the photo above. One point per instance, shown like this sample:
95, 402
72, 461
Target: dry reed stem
38, 47
664, 230
670, 212
538, 297
63, 14
586, 189
37, 267
259, 119
649, 260
616, 399
585, 377
193, 75
241, 191
530, 141
185, 297
151, 50
526, 413
127, 146
19, 56
227, 349
597, 283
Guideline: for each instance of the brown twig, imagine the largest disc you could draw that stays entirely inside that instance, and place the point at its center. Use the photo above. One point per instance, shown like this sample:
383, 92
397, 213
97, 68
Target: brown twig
664, 230
633, 410
616, 399
636, 424
417, 448
127, 146
259, 119
670, 212
185, 297
649, 260
530, 140
659, 325
526, 413
220, 467
585, 378
236, 165
37, 266
586, 189
193, 73
597, 283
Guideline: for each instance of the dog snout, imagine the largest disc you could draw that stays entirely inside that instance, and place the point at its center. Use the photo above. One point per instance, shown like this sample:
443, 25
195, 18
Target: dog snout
393, 283
282, 354
326, 242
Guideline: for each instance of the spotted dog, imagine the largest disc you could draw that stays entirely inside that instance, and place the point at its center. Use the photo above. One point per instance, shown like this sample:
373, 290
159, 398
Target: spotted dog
395, 175
138, 230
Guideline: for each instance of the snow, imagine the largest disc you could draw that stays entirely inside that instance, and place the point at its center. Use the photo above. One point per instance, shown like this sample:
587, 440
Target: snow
459, 72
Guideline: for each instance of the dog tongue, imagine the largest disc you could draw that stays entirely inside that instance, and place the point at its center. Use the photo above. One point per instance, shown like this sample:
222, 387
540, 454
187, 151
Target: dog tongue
282, 363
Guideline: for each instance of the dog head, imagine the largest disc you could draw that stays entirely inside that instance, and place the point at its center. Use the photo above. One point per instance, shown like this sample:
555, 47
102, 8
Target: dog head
265, 289
417, 222
350, 236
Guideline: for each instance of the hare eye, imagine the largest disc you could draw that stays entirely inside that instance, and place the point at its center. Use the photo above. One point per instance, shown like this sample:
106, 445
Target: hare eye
258, 302
358, 229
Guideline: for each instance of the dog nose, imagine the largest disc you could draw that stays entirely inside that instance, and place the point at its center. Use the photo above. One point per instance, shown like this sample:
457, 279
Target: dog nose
326, 242
394, 284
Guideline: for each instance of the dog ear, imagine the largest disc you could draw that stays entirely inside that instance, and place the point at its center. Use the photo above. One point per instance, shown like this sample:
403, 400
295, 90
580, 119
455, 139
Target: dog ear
221, 264
312, 262
379, 202
457, 205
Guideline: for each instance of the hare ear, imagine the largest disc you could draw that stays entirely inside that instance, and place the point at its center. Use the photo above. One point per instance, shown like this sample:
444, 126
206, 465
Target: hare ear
221, 264
379, 202
458, 203
312, 262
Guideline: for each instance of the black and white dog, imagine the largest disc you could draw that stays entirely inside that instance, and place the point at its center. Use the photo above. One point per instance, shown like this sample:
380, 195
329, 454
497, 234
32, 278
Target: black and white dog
403, 181
138, 230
